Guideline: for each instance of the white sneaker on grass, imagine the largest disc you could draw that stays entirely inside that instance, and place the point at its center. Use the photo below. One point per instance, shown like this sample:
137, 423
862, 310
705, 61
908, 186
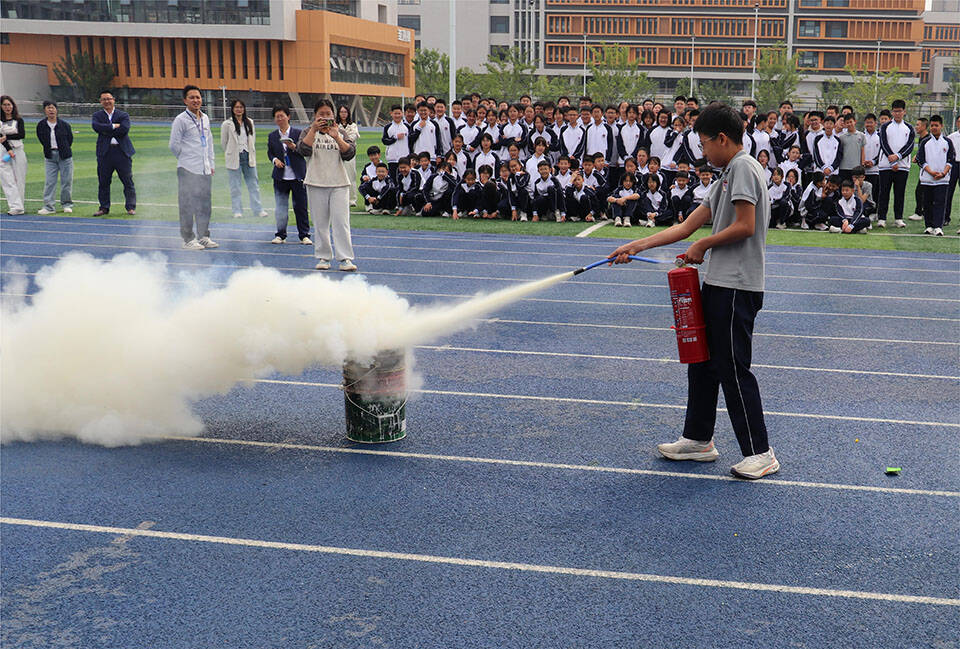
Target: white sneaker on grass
821, 226
263, 214
276, 240
323, 264
306, 241
627, 223
523, 218
899, 223
68, 210
238, 215
881, 223
207, 242
193, 244
45, 212
803, 225
348, 266
834, 229
915, 217
928, 231
781, 226
938, 232
618, 222
689, 449
756, 466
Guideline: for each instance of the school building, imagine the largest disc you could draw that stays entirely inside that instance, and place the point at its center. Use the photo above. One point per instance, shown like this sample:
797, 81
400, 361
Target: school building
276, 50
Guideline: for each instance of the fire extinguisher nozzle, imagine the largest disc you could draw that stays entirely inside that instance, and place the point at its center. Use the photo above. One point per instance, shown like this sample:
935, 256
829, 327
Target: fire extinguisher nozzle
578, 271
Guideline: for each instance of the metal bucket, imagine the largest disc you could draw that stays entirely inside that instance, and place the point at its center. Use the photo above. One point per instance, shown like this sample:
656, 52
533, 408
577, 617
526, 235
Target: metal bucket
375, 397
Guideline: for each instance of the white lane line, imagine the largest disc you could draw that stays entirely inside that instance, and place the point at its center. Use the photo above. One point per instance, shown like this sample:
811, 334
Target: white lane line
629, 404
673, 361
384, 233
541, 299
565, 467
590, 230
484, 563
222, 251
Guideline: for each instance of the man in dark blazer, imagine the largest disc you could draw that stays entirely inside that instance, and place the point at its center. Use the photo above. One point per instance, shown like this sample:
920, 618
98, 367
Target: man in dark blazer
289, 169
56, 137
114, 153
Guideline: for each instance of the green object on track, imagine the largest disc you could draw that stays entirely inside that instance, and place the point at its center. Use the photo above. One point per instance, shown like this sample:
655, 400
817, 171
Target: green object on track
893, 470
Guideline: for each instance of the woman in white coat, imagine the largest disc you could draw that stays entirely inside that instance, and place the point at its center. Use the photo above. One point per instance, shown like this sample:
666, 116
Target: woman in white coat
238, 140
13, 158
351, 133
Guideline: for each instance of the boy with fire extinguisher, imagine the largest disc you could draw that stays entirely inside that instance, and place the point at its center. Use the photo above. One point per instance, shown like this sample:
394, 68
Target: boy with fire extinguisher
732, 295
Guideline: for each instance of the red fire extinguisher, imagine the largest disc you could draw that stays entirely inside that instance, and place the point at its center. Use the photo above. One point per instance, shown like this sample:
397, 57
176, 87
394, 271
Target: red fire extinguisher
684, 282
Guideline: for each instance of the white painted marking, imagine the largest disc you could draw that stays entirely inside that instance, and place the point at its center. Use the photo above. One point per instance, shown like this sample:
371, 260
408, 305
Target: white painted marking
673, 361
631, 404
483, 563
590, 230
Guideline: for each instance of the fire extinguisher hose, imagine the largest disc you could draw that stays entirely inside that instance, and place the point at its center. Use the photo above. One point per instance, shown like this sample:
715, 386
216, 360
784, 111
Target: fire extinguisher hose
608, 260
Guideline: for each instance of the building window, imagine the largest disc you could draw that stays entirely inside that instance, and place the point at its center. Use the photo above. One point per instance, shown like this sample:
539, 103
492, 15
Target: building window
834, 60
381, 13
499, 24
808, 60
499, 2
810, 3
836, 29
4, 38
838, 3
409, 21
359, 65
808, 29
408, 2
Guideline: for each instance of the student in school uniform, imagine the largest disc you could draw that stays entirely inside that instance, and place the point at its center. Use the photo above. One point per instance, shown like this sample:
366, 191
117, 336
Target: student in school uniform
662, 137
654, 205
936, 157
579, 200
564, 173
470, 132
425, 134
787, 138
764, 159
792, 178
668, 164
572, 139
504, 205
827, 149
792, 161
597, 183
702, 189
540, 130
848, 216
732, 295
437, 192
396, 137
467, 197
780, 205
622, 202
897, 140
379, 193
485, 154
852, 143
812, 213
519, 192
539, 155
922, 129
407, 187
545, 194
446, 125
812, 128
681, 196
513, 132
690, 150
489, 194
863, 188
461, 159
629, 136
954, 169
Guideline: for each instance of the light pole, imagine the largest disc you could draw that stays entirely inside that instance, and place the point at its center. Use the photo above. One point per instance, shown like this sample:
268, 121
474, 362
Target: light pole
693, 38
223, 94
876, 77
584, 58
756, 32
452, 72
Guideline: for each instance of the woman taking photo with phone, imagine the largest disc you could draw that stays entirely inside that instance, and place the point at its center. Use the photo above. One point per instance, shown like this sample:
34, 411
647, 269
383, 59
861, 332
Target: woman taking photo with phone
326, 146
238, 140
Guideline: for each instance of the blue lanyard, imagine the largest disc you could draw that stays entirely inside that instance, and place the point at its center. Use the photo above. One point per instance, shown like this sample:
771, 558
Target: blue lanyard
199, 125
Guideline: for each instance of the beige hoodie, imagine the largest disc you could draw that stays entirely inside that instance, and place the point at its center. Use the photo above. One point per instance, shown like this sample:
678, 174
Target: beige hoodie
324, 160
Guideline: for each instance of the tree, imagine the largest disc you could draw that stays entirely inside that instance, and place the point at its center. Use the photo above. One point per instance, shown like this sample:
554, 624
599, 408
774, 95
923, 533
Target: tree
432, 72
721, 91
777, 75
870, 93
615, 77
82, 76
683, 87
832, 92
508, 75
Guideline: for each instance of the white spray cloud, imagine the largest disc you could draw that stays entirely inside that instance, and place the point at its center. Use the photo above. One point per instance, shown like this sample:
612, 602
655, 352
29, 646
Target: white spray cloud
113, 352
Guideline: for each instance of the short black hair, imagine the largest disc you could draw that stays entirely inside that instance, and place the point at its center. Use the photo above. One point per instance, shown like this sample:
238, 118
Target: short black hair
898, 103
279, 108
382, 165
543, 163
850, 115
423, 104
470, 172
679, 98
456, 102
719, 118
324, 102
858, 171
440, 101
870, 116
776, 170
405, 160
650, 177
834, 179
829, 118
786, 102
886, 113
696, 102
682, 174
816, 177
847, 183
923, 120
485, 169
407, 107
47, 102
793, 121
816, 113
105, 92
396, 107
936, 118
834, 108
373, 149
750, 102
424, 154
187, 88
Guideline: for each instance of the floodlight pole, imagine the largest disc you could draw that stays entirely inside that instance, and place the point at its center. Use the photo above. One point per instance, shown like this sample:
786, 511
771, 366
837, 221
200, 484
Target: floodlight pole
584, 58
756, 32
876, 77
223, 93
693, 39
452, 72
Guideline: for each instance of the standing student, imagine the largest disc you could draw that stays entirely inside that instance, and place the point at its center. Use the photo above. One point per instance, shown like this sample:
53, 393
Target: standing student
896, 145
572, 140
289, 170
396, 137
447, 126
470, 132
732, 296
13, 167
56, 137
513, 132
351, 133
871, 154
238, 141
852, 142
328, 188
191, 141
425, 134
827, 149
114, 153
936, 156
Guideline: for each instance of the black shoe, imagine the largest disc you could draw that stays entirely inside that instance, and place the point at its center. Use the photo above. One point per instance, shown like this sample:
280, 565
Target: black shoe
101, 212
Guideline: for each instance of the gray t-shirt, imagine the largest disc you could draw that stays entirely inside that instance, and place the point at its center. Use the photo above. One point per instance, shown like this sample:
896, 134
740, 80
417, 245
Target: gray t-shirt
852, 145
739, 265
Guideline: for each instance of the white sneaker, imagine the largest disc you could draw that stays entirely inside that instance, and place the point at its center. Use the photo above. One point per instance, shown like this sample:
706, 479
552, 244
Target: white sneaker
781, 226
881, 223
688, 449
306, 241
15, 212
559, 218
834, 229
869, 227
756, 466
627, 223
523, 218
45, 212
348, 266
322, 264
68, 210
803, 225
899, 223
915, 217
821, 226
938, 232
276, 240
928, 231
368, 208
238, 215
618, 222
193, 244
263, 214
207, 242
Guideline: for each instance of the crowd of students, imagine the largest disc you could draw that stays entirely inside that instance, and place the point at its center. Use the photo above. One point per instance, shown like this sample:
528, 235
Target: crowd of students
643, 164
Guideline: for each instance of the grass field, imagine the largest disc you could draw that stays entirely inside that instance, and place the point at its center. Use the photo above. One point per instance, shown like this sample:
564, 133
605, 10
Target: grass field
155, 176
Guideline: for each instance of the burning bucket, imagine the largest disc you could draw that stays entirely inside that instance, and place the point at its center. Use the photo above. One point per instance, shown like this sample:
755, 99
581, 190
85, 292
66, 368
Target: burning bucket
375, 396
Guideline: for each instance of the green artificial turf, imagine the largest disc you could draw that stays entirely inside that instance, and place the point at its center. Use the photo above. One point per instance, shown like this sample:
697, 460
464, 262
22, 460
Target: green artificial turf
154, 169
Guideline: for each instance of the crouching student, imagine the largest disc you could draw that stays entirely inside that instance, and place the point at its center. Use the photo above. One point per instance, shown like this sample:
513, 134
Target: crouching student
438, 192
811, 214
545, 194
780, 206
654, 204
702, 189
379, 193
863, 188
681, 196
796, 193
622, 202
504, 206
848, 216
519, 192
407, 188
370, 170
467, 196
489, 194
828, 201
580, 200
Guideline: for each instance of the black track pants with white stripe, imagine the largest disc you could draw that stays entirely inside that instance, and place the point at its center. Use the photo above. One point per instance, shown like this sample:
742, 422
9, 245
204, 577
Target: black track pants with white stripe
729, 315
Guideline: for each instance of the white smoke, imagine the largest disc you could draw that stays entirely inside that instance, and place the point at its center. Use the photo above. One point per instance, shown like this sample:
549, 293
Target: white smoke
116, 351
